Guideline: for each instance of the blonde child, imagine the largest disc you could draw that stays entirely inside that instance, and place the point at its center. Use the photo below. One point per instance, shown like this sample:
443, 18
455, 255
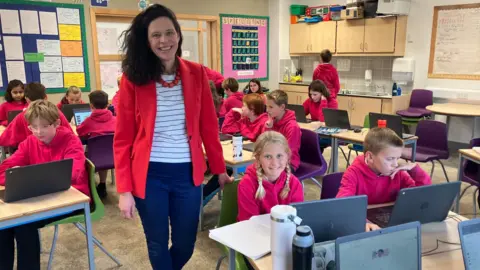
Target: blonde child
318, 99
72, 96
269, 181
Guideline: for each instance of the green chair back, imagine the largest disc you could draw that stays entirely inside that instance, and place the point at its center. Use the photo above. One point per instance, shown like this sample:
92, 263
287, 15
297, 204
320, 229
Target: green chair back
366, 121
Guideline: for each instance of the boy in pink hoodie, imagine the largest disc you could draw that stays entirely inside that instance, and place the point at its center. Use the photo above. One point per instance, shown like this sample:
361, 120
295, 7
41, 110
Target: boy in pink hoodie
285, 122
328, 74
234, 97
269, 181
377, 173
248, 120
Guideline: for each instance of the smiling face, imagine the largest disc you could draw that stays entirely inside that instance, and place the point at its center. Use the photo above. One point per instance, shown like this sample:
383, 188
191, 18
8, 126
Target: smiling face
386, 161
18, 93
163, 39
273, 160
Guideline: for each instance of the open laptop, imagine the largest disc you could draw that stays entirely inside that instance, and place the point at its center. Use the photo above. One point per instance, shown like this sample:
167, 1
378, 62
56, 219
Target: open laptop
469, 232
67, 109
394, 122
80, 115
299, 113
337, 119
12, 114
36, 180
394, 248
424, 204
332, 218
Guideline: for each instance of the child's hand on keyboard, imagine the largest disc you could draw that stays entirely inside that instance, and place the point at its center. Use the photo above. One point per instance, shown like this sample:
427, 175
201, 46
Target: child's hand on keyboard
371, 227
403, 167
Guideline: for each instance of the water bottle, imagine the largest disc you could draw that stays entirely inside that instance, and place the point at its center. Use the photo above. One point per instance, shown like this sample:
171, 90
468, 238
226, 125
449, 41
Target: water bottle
302, 248
399, 91
237, 142
394, 89
382, 123
283, 223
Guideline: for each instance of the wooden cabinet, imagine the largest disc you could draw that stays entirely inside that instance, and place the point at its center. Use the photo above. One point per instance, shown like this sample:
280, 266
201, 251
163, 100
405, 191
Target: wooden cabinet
312, 38
299, 38
344, 102
380, 35
350, 36
359, 107
297, 94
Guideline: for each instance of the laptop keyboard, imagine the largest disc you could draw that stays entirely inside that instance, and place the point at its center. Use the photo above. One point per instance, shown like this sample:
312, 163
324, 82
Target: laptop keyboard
380, 216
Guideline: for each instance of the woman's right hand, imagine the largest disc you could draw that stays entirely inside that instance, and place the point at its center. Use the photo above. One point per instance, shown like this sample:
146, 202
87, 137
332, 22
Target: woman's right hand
126, 203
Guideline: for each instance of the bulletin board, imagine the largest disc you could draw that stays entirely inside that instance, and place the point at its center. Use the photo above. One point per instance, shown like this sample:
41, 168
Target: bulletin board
244, 46
455, 43
43, 42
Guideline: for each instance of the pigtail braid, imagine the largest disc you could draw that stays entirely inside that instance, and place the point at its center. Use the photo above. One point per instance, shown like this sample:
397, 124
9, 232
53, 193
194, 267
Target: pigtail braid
286, 187
260, 194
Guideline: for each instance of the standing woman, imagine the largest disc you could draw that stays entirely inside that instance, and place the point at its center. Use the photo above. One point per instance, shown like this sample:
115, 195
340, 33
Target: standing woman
165, 114
328, 74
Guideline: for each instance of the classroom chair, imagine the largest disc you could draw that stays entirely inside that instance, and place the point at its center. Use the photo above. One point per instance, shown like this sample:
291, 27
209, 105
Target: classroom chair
419, 100
100, 152
430, 148
228, 215
471, 176
357, 147
97, 213
331, 185
312, 162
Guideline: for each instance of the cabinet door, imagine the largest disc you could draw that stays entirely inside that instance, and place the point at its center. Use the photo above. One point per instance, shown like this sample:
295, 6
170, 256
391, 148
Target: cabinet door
362, 107
344, 102
350, 34
323, 36
299, 38
380, 35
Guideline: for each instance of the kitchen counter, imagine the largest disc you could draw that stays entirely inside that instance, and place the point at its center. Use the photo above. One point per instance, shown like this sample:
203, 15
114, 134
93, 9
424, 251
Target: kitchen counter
364, 94
307, 83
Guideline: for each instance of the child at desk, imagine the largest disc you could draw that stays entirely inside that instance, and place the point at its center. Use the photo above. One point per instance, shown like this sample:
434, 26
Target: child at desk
318, 99
17, 131
248, 120
269, 181
377, 173
49, 142
14, 100
100, 122
234, 97
72, 96
284, 121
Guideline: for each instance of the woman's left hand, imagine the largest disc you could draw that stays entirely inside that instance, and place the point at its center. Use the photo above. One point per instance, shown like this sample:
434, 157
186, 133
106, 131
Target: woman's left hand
224, 179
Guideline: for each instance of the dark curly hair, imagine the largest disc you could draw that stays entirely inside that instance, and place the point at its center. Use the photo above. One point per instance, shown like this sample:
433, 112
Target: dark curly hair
12, 84
140, 64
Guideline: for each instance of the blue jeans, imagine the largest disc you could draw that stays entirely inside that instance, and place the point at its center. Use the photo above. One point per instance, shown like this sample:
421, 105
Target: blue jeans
170, 193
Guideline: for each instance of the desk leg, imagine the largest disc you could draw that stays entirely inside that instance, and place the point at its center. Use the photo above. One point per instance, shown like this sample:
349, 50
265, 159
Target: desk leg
334, 155
231, 259
459, 178
414, 151
474, 127
235, 172
88, 227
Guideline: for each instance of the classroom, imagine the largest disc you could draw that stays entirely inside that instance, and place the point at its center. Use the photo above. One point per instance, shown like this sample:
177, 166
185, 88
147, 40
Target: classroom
343, 134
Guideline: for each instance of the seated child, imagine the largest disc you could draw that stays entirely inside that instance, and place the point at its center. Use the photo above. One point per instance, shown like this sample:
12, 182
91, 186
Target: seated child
100, 122
14, 100
248, 120
285, 122
234, 97
377, 173
269, 181
72, 96
217, 100
49, 142
254, 86
18, 130
318, 99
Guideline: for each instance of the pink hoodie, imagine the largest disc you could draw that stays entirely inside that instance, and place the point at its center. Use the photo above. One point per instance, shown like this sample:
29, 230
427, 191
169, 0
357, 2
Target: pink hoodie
315, 109
233, 101
234, 123
328, 74
289, 128
248, 206
359, 179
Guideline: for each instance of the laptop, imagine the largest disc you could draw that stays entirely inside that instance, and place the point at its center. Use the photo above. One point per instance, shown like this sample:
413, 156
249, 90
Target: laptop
67, 109
424, 204
12, 114
299, 113
37, 180
332, 218
394, 248
394, 122
337, 119
248, 147
469, 232
80, 115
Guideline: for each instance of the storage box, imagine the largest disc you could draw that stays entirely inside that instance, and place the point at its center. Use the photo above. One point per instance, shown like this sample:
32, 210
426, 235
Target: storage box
353, 13
298, 9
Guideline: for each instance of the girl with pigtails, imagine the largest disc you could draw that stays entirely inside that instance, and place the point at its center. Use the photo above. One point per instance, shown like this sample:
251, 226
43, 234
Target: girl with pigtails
269, 181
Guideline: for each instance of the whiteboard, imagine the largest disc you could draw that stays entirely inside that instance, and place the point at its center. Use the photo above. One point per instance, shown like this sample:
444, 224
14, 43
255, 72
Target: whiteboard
109, 72
110, 38
455, 48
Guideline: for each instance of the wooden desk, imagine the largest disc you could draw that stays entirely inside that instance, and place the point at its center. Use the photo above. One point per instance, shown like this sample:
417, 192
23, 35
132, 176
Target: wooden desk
458, 110
464, 154
47, 206
311, 126
247, 157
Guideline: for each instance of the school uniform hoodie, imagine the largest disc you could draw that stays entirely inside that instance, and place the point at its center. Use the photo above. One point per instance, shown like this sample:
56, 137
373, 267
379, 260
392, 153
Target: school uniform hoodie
100, 122
214, 76
65, 145
328, 74
315, 109
233, 101
289, 128
359, 179
10, 106
65, 101
18, 130
235, 123
249, 206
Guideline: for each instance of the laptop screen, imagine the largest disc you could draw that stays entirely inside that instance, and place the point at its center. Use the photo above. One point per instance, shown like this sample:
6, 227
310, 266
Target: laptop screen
80, 116
471, 245
390, 251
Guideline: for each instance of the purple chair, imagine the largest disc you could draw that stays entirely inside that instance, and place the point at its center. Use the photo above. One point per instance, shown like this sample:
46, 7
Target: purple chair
331, 185
471, 176
312, 162
419, 100
100, 152
432, 144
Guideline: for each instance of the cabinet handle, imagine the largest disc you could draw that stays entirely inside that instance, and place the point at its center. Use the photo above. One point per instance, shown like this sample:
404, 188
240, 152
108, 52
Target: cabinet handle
366, 46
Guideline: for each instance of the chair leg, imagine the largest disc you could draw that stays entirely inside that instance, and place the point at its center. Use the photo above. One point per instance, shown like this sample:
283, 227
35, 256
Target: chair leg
349, 153
316, 182
52, 249
444, 171
98, 244
433, 168
112, 172
219, 262
344, 155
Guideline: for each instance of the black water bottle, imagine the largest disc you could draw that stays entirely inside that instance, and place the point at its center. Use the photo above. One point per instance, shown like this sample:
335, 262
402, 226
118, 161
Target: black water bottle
302, 249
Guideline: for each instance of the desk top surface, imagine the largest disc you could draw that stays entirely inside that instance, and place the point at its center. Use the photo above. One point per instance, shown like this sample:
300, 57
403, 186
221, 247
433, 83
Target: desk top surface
227, 147
359, 137
455, 109
470, 153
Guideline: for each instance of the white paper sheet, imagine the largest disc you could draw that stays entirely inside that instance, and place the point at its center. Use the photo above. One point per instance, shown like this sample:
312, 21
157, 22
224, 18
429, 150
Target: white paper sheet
1, 78
10, 21
29, 20
72, 64
109, 72
16, 71
107, 41
68, 16
52, 80
13, 47
48, 23
51, 64
48, 47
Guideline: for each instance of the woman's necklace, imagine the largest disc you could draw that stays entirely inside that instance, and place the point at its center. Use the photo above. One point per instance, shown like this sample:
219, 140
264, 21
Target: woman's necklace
172, 83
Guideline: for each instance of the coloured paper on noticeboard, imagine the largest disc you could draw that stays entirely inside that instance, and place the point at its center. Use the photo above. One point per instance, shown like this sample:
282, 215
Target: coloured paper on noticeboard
74, 79
69, 32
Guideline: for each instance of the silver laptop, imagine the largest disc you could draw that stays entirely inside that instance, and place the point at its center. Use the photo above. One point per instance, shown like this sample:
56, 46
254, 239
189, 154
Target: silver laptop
469, 232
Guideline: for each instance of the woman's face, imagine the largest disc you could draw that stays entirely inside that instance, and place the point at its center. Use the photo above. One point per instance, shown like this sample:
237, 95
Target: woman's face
253, 87
163, 39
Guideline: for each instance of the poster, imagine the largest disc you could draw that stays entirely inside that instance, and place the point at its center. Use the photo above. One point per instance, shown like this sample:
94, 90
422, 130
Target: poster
244, 45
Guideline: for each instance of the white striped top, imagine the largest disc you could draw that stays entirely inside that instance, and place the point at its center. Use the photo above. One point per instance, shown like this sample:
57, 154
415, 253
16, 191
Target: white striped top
170, 140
